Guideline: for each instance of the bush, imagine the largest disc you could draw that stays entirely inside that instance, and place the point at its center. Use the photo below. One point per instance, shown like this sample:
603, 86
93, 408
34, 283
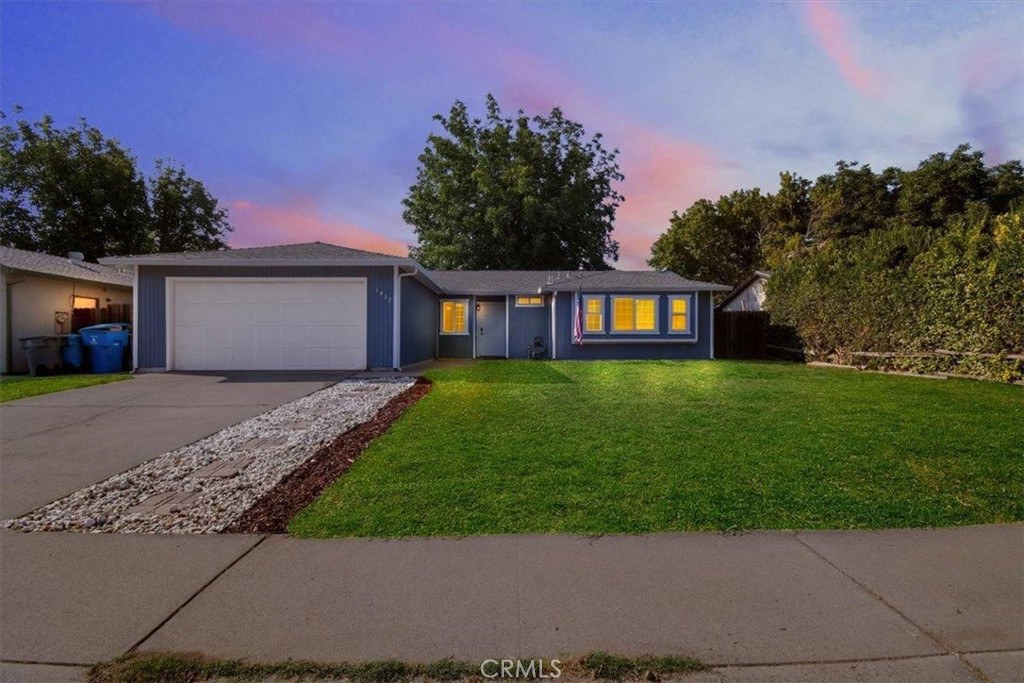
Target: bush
908, 291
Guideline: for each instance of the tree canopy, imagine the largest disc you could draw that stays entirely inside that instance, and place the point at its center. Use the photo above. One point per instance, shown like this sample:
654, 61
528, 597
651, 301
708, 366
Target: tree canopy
892, 264
727, 239
73, 189
513, 192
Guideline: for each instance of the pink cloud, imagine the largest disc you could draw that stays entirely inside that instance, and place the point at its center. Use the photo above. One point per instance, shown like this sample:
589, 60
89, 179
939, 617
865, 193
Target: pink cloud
268, 24
664, 172
299, 221
832, 32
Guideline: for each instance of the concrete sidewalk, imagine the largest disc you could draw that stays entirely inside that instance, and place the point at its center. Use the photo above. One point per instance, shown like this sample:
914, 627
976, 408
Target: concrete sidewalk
944, 604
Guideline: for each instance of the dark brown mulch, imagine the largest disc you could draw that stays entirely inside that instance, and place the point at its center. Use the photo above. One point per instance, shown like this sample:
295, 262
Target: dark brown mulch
271, 513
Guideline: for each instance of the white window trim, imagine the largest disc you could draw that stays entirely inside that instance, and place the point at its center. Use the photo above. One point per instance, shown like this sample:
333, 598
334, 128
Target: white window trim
440, 319
604, 313
649, 297
690, 314
519, 305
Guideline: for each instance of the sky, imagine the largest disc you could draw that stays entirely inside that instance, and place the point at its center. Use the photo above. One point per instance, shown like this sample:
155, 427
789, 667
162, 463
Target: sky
306, 120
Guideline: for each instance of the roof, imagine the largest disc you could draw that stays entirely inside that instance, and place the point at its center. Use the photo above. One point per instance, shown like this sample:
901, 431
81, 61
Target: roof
528, 281
57, 266
738, 289
306, 251
448, 281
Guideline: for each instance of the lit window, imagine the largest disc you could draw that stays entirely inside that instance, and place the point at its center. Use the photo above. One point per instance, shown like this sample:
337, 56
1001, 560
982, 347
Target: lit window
526, 301
453, 316
594, 318
622, 315
86, 302
634, 314
679, 310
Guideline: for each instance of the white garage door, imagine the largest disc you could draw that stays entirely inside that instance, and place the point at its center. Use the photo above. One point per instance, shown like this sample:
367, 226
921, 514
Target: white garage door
267, 324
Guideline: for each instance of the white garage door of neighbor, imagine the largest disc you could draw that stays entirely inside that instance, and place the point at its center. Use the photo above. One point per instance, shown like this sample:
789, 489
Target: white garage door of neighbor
267, 324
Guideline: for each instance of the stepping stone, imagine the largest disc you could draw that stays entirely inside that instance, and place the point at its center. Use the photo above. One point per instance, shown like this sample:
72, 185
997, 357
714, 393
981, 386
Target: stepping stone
298, 424
162, 503
263, 442
222, 469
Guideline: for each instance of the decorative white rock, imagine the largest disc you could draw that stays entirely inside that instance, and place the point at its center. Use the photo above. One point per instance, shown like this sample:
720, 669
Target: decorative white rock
162, 495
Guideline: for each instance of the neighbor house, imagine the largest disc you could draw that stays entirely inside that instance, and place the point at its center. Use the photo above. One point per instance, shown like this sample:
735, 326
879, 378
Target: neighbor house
321, 306
39, 293
747, 295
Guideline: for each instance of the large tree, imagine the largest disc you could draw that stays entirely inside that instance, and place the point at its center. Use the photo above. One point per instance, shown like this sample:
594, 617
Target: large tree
716, 241
73, 189
514, 193
725, 240
184, 216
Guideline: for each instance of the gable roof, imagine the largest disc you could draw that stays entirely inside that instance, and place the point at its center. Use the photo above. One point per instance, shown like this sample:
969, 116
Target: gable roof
446, 281
56, 266
305, 251
738, 289
532, 281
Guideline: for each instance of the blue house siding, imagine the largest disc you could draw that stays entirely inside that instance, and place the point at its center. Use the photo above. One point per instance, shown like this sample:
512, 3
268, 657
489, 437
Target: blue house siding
419, 323
525, 323
151, 315
661, 348
455, 345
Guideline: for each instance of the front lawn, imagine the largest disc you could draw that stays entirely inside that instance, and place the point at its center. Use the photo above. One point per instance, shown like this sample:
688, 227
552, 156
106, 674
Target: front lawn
636, 447
15, 387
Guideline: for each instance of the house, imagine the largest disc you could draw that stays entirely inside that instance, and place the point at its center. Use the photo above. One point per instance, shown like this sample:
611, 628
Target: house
321, 306
39, 293
747, 295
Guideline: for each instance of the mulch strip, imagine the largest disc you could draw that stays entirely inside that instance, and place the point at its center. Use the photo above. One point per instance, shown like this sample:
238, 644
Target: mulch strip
271, 513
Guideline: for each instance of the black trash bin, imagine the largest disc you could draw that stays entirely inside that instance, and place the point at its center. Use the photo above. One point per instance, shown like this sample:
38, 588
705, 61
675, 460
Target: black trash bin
41, 352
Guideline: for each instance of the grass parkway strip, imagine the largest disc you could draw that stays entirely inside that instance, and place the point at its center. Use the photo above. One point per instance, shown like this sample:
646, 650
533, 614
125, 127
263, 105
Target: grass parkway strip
177, 668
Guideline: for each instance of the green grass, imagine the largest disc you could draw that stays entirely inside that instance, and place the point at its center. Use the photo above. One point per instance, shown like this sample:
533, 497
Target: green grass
636, 447
186, 668
15, 387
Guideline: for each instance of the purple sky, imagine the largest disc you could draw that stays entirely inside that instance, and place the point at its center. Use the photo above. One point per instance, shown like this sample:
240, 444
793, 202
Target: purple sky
306, 119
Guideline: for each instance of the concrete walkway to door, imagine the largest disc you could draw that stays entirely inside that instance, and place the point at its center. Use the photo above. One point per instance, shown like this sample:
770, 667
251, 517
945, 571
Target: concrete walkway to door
901, 605
56, 444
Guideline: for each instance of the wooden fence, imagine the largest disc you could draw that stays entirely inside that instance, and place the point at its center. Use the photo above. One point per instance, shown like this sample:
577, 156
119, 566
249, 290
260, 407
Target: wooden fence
741, 334
112, 313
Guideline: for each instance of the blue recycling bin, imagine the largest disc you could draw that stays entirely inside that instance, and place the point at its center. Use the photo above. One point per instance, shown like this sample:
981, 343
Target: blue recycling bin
71, 355
107, 344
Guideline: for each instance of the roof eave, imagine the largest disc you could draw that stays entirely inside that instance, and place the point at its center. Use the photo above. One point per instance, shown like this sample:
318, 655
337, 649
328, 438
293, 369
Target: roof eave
243, 262
708, 287
69, 278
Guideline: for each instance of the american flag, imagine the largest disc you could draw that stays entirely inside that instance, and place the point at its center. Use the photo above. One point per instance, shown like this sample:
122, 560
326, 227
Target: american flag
577, 320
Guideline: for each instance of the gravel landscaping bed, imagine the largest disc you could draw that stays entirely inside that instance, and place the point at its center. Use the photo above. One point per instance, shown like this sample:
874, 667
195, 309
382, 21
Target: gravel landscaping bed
205, 486
272, 512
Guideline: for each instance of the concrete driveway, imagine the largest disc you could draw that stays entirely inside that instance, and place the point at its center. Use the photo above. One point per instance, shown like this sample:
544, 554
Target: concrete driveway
55, 444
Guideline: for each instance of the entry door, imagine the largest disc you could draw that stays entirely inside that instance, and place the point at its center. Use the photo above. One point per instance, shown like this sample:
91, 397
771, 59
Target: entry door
490, 329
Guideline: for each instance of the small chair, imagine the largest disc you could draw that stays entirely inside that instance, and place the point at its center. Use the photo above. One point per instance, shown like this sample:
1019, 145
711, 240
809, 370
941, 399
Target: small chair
537, 350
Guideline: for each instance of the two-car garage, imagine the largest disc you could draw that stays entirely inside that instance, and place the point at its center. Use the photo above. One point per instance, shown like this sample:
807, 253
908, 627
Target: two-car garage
266, 323
308, 306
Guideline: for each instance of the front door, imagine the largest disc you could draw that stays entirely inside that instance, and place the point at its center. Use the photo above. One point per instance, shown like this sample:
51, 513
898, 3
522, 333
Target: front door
490, 329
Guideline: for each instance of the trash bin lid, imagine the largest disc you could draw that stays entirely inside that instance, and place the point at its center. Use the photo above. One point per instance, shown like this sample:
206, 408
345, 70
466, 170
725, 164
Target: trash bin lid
107, 327
42, 340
